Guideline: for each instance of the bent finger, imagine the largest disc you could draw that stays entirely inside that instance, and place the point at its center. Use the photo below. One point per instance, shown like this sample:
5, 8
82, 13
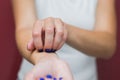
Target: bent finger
37, 35
59, 33
63, 39
49, 34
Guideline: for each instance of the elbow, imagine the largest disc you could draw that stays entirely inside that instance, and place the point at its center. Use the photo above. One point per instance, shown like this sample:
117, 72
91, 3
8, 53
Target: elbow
110, 51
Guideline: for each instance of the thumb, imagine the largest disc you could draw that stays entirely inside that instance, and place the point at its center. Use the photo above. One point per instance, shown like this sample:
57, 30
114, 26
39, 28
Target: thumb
30, 45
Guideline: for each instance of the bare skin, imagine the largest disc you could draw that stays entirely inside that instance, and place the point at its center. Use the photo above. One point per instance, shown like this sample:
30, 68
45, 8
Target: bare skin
51, 32
100, 42
103, 37
52, 66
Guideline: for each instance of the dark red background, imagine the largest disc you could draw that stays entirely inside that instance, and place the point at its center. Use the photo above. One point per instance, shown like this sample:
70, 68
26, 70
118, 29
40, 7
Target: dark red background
10, 58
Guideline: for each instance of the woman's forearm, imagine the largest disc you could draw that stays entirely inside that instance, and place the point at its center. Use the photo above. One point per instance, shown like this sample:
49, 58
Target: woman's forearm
101, 41
25, 16
94, 43
22, 38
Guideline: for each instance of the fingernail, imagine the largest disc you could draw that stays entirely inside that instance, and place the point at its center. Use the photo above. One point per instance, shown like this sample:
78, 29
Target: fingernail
40, 50
48, 76
60, 78
54, 79
48, 50
42, 79
53, 50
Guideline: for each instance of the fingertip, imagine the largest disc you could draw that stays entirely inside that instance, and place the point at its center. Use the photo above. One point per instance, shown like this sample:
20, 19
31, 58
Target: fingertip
54, 50
48, 50
40, 50
49, 76
41, 79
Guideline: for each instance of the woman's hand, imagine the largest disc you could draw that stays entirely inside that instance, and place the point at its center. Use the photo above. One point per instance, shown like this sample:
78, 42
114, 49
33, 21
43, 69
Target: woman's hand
48, 35
51, 68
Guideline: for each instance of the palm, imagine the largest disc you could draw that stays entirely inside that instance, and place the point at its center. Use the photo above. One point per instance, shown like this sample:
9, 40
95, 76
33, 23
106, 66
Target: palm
57, 68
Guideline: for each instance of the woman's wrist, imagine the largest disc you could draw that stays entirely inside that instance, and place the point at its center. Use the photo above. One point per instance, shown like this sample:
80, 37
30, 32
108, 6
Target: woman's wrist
37, 57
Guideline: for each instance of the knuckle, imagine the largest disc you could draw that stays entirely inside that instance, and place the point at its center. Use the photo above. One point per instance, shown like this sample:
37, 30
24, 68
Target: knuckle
49, 18
36, 25
42, 23
50, 26
58, 19
36, 22
36, 33
49, 30
60, 33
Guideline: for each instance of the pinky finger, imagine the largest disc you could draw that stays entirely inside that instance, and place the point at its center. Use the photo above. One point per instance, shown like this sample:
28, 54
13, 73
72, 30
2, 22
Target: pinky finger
63, 39
60, 45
